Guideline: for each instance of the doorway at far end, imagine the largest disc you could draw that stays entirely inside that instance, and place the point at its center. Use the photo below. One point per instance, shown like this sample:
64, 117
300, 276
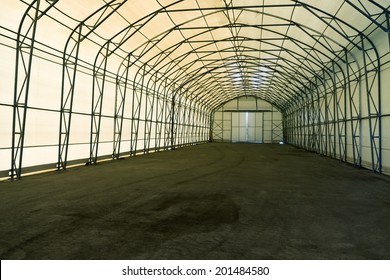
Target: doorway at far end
247, 127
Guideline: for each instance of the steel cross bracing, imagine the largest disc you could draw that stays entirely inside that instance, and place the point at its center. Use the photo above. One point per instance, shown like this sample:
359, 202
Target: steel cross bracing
150, 98
69, 74
362, 7
163, 54
100, 69
321, 122
371, 65
353, 94
179, 113
324, 109
23, 67
120, 101
136, 112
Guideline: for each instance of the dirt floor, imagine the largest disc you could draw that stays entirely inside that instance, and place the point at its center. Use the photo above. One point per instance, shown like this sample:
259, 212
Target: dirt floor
211, 201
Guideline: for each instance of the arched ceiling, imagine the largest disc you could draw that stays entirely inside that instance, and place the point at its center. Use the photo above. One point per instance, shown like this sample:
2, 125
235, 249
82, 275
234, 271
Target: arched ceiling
211, 51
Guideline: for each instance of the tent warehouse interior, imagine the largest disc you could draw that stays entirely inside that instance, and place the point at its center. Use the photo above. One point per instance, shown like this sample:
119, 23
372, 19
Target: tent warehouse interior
195, 129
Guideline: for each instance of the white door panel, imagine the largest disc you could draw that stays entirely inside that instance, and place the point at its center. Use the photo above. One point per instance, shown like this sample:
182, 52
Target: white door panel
247, 127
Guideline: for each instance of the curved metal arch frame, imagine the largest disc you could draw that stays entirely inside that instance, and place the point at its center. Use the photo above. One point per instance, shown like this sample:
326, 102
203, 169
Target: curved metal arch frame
352, 119
118, 117
209, 65
256, 65
197, 35
267, 66
99, 75
175, 116
161, 36
178, 111
371, 63
217, 68
370, 16
69, 72
288, 51
187, 39
340, 135
222, 66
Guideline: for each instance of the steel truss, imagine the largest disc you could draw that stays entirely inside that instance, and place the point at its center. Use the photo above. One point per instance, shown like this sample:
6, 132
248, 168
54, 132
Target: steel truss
69, 75
174, 47
24, 57
100, 68
332, 106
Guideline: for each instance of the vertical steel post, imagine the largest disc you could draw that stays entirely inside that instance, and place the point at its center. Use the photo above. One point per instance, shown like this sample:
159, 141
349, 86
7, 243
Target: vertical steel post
120, 101
334, 119
313, 144
173, 128
354, 110
149, 109
99, 80
23, 68
373, 93
136, 114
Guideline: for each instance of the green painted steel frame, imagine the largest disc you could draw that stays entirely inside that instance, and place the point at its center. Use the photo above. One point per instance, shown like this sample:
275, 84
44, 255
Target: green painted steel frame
320, 101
